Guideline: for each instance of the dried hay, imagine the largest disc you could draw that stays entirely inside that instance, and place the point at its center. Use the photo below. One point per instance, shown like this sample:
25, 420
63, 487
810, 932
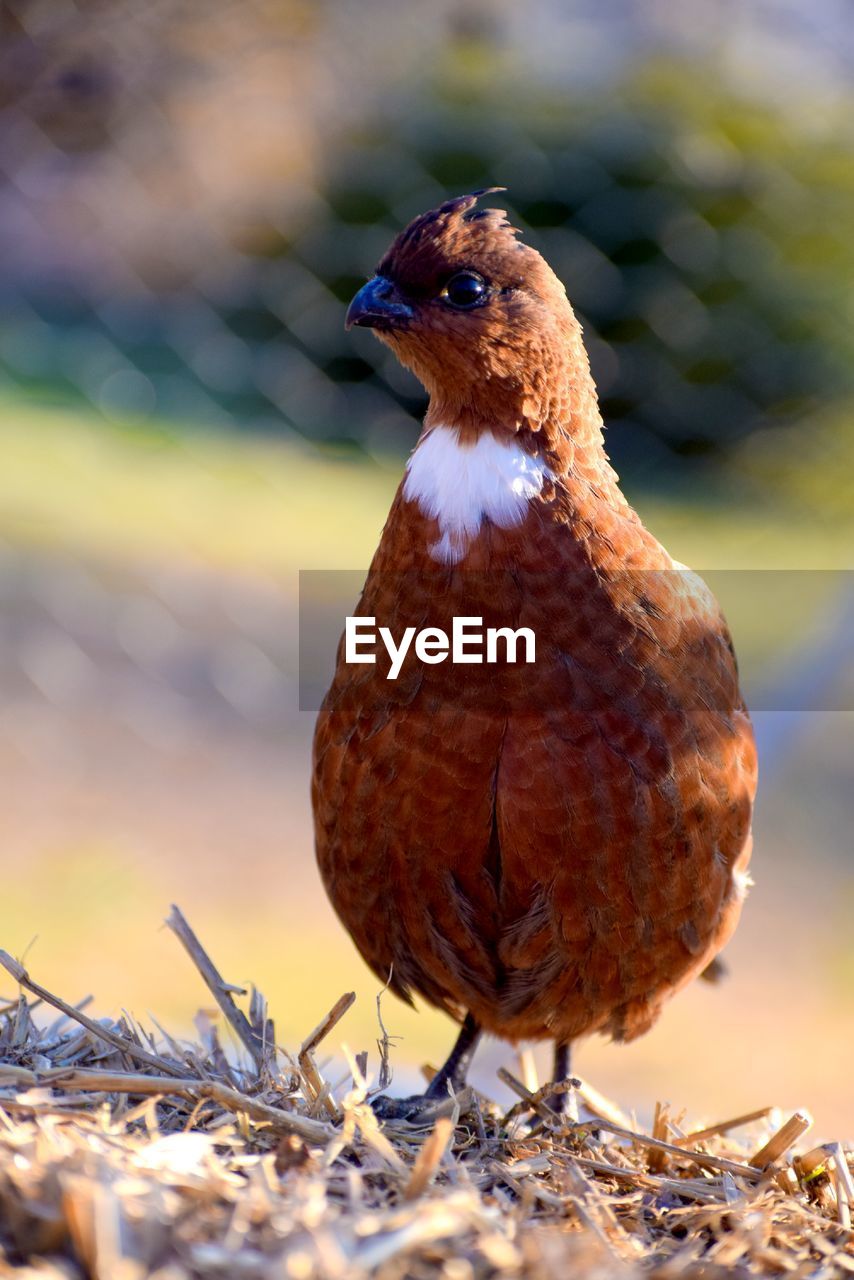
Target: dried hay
125, 1156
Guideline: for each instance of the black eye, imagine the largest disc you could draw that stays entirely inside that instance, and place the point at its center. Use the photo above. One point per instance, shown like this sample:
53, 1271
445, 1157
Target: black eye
466, 289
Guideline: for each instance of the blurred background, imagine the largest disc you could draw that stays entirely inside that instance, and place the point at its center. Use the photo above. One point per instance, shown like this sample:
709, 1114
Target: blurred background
189, 195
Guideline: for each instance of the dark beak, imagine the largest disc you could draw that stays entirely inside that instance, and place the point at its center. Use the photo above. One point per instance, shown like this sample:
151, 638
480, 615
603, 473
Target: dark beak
378, 305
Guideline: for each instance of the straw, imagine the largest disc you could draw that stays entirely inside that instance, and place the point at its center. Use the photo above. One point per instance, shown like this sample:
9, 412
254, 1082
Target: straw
203, 1164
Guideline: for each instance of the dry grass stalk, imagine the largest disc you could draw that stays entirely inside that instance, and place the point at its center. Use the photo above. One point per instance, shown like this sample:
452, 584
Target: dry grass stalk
122, 1043
704, 1159
384, 1041
137, 1084
722, 1126
219, 989
209, 1168
600, 1106
429, 1157
840, 1159
535, 1101
528, 1068
318, 1089
661, 1131
786, 1136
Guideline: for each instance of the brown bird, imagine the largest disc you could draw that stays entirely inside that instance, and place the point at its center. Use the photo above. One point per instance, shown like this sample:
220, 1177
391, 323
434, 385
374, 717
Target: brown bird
542, 848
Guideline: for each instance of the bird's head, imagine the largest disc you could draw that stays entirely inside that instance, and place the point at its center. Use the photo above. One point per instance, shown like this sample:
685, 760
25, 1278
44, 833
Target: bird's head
479, 317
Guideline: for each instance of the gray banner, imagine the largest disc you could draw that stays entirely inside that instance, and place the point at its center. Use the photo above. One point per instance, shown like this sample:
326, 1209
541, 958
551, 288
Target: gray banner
793, 630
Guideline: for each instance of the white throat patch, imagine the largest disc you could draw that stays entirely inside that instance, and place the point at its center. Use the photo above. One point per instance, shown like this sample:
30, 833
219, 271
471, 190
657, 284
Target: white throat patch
461, 485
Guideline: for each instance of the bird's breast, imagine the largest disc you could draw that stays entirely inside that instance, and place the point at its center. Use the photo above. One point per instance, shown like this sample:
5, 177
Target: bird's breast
461, 486
521, 815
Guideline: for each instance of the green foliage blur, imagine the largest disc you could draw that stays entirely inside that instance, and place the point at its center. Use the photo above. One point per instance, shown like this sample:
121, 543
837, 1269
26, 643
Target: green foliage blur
702, 240
702, 234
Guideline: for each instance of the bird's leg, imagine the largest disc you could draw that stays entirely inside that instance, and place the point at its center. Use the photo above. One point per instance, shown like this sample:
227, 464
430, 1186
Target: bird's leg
562, 1067
426, 1107
459, 1060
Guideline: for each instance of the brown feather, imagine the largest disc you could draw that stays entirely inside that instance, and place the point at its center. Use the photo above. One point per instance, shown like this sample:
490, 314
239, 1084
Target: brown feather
551, 847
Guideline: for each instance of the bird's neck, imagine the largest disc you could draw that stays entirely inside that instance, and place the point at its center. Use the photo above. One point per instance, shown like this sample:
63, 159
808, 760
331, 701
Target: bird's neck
465, 479
552, 414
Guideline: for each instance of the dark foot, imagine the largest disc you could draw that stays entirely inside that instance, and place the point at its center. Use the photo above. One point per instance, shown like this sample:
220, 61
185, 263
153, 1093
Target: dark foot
455, 1070
559, 1100
421, 1110
446, 1090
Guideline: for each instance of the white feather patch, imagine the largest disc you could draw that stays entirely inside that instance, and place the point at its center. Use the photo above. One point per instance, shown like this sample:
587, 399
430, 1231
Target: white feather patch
741, 882
461, 485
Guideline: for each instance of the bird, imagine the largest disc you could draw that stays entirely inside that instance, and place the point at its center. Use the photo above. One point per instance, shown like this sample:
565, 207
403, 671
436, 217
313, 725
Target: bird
549, 849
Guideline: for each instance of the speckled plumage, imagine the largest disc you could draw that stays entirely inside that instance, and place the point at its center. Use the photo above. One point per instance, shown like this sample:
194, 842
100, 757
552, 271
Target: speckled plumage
554, 848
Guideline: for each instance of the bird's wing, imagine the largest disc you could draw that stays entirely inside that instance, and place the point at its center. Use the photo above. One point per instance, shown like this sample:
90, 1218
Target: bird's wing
624, 811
